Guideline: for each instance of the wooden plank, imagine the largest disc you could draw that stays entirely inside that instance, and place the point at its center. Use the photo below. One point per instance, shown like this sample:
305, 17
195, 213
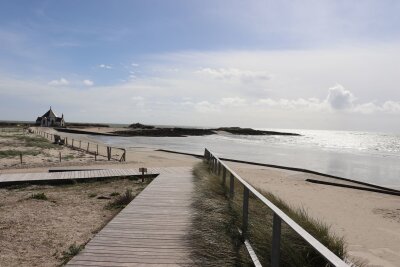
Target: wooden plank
149, 231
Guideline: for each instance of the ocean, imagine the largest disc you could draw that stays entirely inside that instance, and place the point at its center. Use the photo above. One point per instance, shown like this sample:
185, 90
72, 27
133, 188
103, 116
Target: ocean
363, 156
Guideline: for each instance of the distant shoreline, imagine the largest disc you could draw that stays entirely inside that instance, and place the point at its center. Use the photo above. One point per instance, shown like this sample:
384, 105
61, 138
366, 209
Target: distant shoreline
152, 131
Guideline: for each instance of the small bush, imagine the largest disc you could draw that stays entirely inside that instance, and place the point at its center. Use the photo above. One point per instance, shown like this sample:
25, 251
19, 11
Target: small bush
92, 195
39, 196
68, 157
121, 201
113, 194
71, 252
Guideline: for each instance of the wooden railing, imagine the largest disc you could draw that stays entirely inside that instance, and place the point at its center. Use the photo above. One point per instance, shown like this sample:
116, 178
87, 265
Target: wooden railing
86, 146
217, 166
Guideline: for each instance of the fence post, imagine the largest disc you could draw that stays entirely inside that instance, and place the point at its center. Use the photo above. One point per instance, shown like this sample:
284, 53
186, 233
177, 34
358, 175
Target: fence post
80, 143
60, 156
97, 149
109, 153
87, 149
20, 157
245, 221
72, 143
232, 186
276, 241
95, 156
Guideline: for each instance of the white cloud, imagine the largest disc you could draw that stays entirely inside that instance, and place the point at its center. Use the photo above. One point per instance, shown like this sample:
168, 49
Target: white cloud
339, 98
88, 82
104, 66
310, 104
61, 81
233, 73
206, 107
135, 65
233, 102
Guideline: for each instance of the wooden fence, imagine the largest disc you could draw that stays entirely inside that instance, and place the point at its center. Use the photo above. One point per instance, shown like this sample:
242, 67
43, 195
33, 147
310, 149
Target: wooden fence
218, 167
111, 153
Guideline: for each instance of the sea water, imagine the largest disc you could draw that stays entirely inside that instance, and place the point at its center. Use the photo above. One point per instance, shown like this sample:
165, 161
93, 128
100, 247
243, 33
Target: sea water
364, 156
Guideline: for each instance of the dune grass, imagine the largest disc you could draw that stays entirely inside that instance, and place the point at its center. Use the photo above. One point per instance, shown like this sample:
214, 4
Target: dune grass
294, 250
15, 153
214, 236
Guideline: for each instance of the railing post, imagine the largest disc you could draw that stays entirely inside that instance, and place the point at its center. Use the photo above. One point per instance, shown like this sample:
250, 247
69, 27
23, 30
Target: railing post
219, 168
276, 241
232, 186
245, 222
224, 176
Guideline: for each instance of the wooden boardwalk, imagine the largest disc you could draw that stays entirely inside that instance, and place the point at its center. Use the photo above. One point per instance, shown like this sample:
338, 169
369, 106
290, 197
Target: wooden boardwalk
151, 230
8, 178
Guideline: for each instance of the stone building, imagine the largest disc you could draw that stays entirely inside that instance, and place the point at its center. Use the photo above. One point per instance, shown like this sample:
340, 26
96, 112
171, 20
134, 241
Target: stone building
50, 119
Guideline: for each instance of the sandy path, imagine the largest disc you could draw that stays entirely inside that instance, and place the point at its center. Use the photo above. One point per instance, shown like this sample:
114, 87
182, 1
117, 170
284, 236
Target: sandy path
370, 222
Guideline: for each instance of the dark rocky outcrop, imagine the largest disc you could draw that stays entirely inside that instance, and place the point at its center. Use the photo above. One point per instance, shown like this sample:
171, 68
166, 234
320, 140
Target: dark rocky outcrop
140, 126
166, 132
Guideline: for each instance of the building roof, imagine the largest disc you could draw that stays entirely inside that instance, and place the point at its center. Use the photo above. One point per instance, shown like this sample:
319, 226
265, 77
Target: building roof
49, 113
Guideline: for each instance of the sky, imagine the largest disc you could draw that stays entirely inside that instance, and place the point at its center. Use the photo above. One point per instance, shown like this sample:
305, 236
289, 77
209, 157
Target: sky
332, 65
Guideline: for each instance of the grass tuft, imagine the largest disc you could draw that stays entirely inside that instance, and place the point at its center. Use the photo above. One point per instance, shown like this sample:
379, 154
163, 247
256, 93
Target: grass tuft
72, 251
92, 195
121, 201
39, 196
114, 194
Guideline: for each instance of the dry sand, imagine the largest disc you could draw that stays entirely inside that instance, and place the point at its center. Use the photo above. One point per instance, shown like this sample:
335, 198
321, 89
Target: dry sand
370, 222
36, 232
45, 156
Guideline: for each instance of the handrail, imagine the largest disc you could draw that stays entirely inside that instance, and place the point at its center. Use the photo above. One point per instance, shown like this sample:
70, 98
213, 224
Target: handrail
278, 216
46, 135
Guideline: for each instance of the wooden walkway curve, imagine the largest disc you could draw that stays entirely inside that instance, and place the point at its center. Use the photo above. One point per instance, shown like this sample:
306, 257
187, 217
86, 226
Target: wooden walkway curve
8, 178
151, 230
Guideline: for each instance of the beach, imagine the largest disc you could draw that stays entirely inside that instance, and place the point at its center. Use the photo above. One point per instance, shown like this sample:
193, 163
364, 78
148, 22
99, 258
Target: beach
369, 221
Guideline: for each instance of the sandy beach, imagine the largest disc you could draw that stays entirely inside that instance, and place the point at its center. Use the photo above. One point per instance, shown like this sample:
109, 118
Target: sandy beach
369, 222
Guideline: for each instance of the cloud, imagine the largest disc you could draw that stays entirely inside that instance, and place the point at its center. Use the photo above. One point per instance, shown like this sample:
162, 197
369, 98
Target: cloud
339, 98
206, 107
232, 73
310, 104
233, 102
135, 65
104, 66
59, 82
88, 82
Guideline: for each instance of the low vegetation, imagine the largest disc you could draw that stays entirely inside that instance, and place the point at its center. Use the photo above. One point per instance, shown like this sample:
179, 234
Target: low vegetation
71, 252
39, 196
15, 153
223, 216
122, 200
